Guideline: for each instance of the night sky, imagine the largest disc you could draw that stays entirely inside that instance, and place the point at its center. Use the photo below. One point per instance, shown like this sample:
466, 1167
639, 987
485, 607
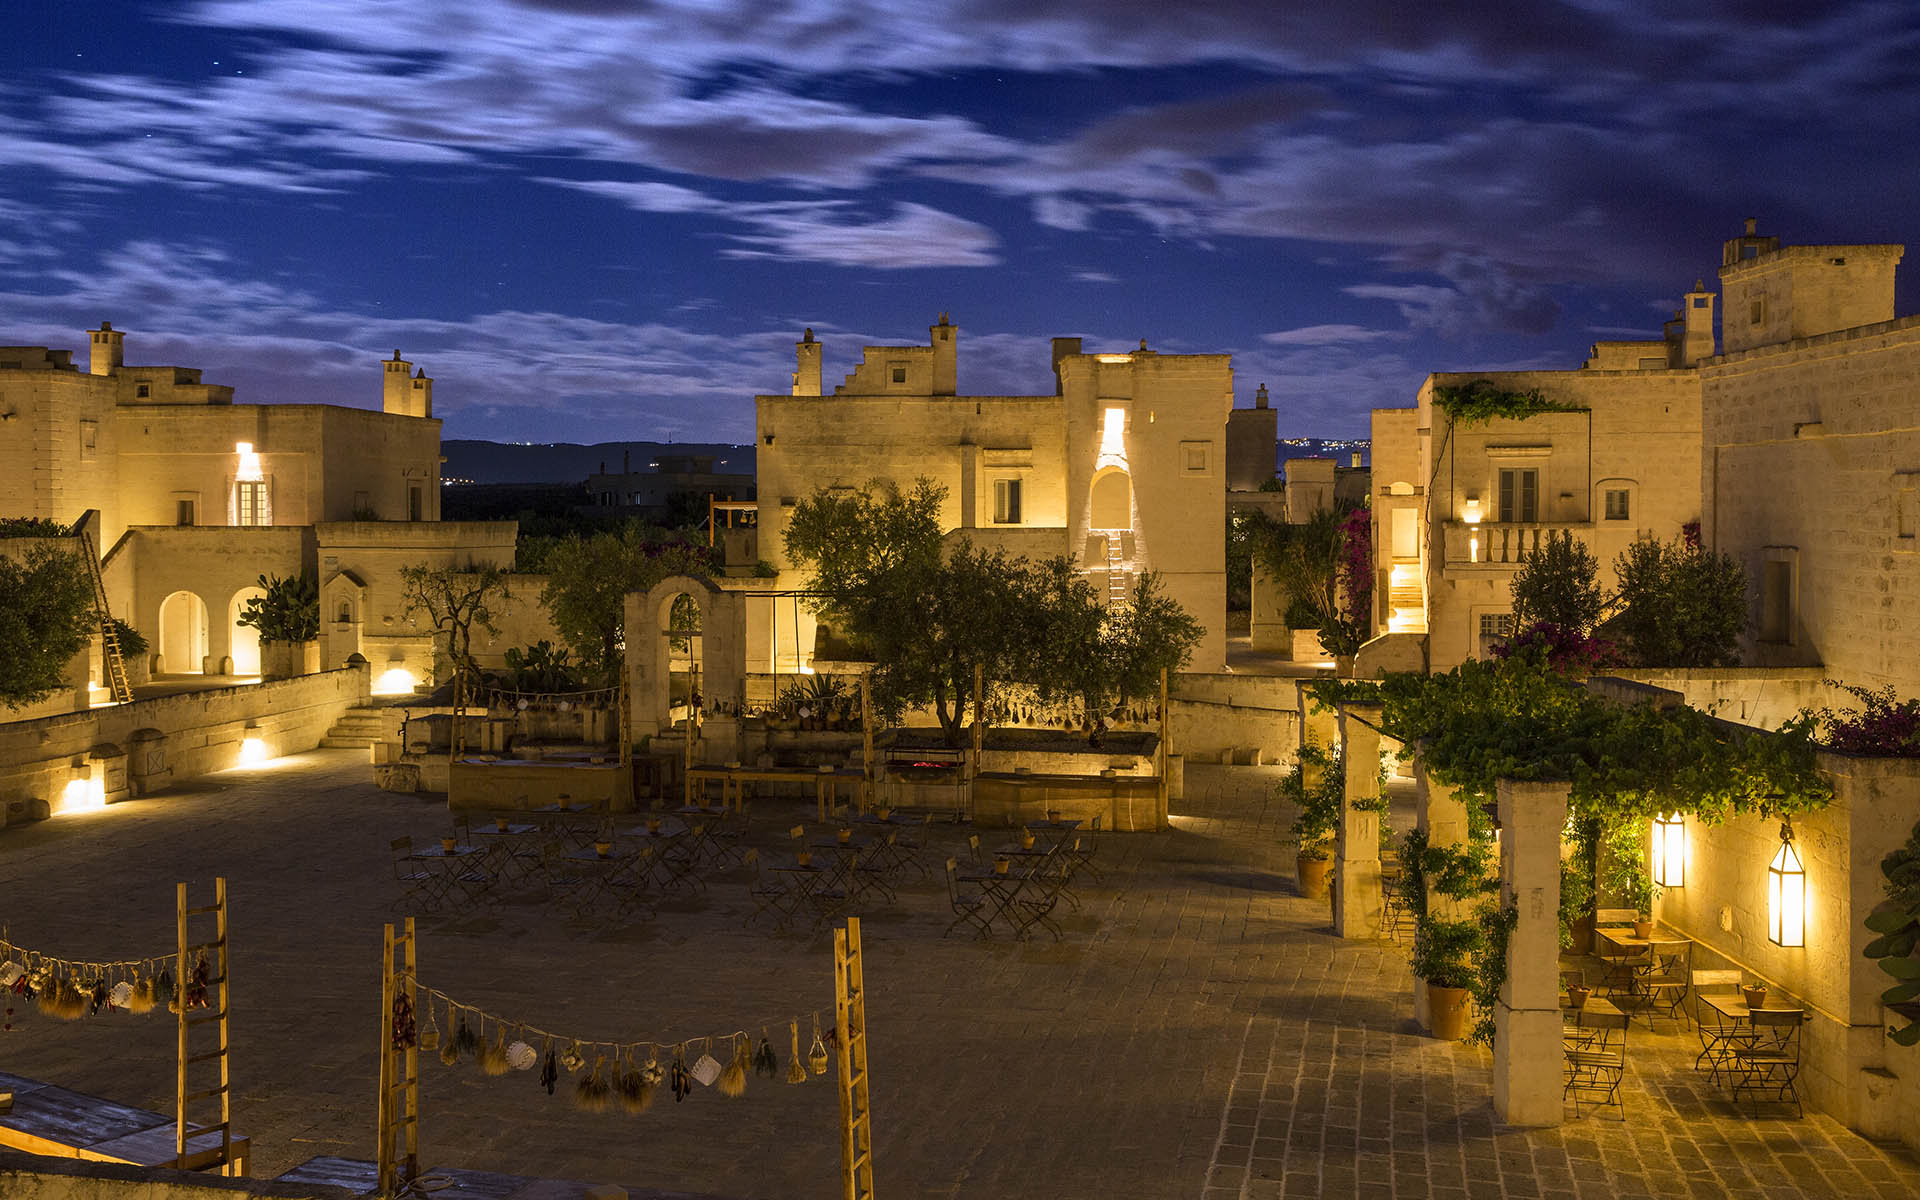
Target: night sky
592, 220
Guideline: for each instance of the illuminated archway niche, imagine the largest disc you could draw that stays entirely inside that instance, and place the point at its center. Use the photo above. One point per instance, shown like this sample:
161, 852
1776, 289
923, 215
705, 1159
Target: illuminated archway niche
183, 633
245, 643
1110, 506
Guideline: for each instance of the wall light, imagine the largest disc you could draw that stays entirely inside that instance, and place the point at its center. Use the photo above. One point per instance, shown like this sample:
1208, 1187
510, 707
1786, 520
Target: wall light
253, 752
397, 681
1470, 512
1786, 894
1670, 850
249, 465
84, 794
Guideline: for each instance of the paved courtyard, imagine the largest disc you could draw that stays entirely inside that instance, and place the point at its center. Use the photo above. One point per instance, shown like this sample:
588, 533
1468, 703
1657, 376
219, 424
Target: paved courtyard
1197, 1035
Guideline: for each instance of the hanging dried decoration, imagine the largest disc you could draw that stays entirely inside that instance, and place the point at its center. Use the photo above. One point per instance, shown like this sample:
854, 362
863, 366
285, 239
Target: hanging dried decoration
141, 1001
817, 1053
796, 1066
764, 1062
69, 1002
520, 1055
492, 1056
163, 988
430, 1036
653, 1073
549, 1071
706, 1068
733, 1078
465, 1040
636, 1094
405, 1034
573, 1060
196, 994
98, 996
677, 1077
593, 1093
450, 1047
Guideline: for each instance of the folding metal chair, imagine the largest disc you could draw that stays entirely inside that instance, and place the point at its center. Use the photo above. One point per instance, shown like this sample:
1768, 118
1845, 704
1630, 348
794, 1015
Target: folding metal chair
770, 893
1720, 1034
1666, 977
426, 887
1038, 896
1594, 1070
969, 907
1765, 1070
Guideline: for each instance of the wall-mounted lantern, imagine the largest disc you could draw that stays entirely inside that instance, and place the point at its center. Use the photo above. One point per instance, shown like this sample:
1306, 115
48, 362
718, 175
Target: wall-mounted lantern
1670, 850
1786, 894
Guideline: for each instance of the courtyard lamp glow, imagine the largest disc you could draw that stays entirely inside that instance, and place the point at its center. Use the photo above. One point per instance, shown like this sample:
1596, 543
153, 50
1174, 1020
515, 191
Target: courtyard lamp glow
1786, 894
1670, 850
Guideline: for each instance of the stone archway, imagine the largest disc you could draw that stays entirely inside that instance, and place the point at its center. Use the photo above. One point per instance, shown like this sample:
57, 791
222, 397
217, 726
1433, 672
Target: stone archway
1110, 500
243, 648
664, 663
183, 634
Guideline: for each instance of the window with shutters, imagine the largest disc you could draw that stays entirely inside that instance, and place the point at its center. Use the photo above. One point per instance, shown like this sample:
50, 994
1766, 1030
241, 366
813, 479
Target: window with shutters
1519, 496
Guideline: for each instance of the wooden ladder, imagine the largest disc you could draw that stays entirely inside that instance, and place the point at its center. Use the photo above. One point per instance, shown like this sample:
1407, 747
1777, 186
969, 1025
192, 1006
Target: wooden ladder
399, 1110
213, 1012
1116, 573
850, 1014
112, 665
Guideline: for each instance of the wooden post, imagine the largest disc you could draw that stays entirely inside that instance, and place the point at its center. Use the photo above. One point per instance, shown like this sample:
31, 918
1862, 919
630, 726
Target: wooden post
1166, 726
866, 742
979, 716
399, 1106
850, 1016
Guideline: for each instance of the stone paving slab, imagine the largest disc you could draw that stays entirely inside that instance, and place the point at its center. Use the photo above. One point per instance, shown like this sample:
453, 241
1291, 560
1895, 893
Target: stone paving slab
1198, 1034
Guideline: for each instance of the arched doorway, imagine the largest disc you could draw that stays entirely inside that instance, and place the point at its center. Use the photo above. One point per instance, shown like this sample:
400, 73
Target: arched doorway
183, 634
245, 643
1110, 506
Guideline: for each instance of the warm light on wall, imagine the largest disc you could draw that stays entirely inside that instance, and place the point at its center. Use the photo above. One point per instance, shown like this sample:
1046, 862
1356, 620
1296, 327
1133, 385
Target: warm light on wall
253, 752
1786, 895
1470, 512
1670, 850
82, 795
249, 468
1113, 439
397, 681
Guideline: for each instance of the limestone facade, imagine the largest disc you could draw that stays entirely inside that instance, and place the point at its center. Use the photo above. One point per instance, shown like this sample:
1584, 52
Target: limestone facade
1123, 469
199, 496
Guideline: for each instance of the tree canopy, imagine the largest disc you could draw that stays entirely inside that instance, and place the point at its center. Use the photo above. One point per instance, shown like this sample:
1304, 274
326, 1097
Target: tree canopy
46, 617
589, 578
454, 600
928, 613
1681, 605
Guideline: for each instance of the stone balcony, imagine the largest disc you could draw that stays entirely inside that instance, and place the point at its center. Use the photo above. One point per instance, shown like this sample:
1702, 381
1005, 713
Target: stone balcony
1501, 545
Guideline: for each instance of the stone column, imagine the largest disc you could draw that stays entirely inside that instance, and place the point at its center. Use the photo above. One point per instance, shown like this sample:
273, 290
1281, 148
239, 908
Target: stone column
1438, 812
1322, 727
1356, 854
1526, 1044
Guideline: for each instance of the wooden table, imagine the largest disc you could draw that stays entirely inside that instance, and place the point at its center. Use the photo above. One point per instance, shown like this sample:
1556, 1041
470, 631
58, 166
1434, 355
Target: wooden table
58, 1123
732, 780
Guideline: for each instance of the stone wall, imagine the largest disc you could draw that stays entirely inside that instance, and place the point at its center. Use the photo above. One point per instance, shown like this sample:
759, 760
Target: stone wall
33, 1177
1763, 697
131, 749
1723, 907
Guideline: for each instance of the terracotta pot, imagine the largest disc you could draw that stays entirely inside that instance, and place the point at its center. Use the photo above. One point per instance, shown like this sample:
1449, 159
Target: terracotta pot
447, 845
1000, 866
1756, 997
804, 858
1312, 874
845, 836
1026, 841
500, 823
1343, 666
1643, 929
1447, 1012
653, 824
1577, 997
603, 849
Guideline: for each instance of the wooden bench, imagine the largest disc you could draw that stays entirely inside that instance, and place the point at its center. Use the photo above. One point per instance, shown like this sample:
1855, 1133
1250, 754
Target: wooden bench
58, 1123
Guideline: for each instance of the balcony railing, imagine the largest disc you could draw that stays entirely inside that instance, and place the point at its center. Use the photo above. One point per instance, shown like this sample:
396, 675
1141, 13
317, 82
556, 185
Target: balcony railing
1501, 545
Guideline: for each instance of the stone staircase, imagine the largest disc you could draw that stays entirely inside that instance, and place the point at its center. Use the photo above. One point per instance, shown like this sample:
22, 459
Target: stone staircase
357, 729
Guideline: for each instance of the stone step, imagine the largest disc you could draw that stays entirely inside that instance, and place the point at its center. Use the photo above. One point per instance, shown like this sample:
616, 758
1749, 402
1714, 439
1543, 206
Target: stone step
331, 742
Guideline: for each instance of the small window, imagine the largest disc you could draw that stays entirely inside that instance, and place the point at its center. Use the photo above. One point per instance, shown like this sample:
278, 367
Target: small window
345, 615
1756, 312
1196, 458
183, 512
89, 439
1619, 507
1494, 628
1006, 502
1749, 252
414, 502
250, 500
1519, 497
1700, 301
899, 374
142, 391
1777, 616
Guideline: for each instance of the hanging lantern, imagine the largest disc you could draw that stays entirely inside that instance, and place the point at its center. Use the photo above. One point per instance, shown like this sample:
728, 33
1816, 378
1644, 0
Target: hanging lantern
1786, 894
1670, 850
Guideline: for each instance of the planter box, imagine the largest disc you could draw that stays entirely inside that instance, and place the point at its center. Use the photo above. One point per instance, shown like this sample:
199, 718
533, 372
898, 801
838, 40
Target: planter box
287, 660
1307, 648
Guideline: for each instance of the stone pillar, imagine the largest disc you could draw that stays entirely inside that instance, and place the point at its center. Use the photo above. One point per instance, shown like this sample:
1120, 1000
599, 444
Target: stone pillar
1322, 727
1438, 812
1356, 854
1526, 1044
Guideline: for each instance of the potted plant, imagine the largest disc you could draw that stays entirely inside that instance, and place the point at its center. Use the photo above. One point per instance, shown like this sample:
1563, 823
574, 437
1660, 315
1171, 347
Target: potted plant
1317, 786
1443, 955
1755, 994
1577, 995
288, 618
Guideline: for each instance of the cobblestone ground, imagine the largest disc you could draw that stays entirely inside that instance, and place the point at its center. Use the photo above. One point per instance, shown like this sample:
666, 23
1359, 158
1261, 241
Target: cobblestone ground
1197, 1034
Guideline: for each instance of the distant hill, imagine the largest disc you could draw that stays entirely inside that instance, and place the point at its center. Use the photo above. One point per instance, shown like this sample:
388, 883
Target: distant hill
570, 462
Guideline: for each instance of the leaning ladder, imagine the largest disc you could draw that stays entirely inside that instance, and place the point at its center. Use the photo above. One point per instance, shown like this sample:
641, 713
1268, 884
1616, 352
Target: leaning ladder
112, 665
399, 1111
850, 1012
1116, 573
192, 1017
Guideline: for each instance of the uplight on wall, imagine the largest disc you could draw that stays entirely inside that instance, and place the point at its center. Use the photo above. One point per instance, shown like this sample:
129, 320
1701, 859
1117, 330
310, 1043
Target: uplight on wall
253, 752
1786, 894
397, 681
1470, 513
83, 794
1670, 850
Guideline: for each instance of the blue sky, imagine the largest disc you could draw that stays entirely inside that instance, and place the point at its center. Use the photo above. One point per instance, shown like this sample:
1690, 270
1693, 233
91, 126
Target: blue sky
592, 220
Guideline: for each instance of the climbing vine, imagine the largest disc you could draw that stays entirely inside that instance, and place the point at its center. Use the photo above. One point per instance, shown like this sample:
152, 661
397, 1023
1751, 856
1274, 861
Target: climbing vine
1482, 400
1896, 921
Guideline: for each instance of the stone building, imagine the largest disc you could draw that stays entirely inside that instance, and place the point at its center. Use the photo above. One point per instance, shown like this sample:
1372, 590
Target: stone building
1122, 468
198, 496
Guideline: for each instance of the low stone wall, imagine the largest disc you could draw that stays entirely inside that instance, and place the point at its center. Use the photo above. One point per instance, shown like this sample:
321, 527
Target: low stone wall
141, 747
1125, 803
1763, 697
1206, 732
30, 1177
512, 783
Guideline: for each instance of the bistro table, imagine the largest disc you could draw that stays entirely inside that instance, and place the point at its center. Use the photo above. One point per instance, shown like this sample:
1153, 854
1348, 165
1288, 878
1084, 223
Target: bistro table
456, 869
508, 855
1730, 1031
848, 854
597, 877
1000, 888
810, 883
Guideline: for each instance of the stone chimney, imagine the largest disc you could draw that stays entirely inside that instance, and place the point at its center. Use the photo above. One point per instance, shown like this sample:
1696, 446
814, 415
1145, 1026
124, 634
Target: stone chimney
1063, 348
108, 346
1260, 397
946, 363
403, 391
806, 375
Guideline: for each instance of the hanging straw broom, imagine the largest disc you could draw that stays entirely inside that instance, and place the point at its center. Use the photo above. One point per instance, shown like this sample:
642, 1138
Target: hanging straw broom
593, 1093
635, 1088
450, 1047
733, 1080
492, 1056
796, 1066
141, 1002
